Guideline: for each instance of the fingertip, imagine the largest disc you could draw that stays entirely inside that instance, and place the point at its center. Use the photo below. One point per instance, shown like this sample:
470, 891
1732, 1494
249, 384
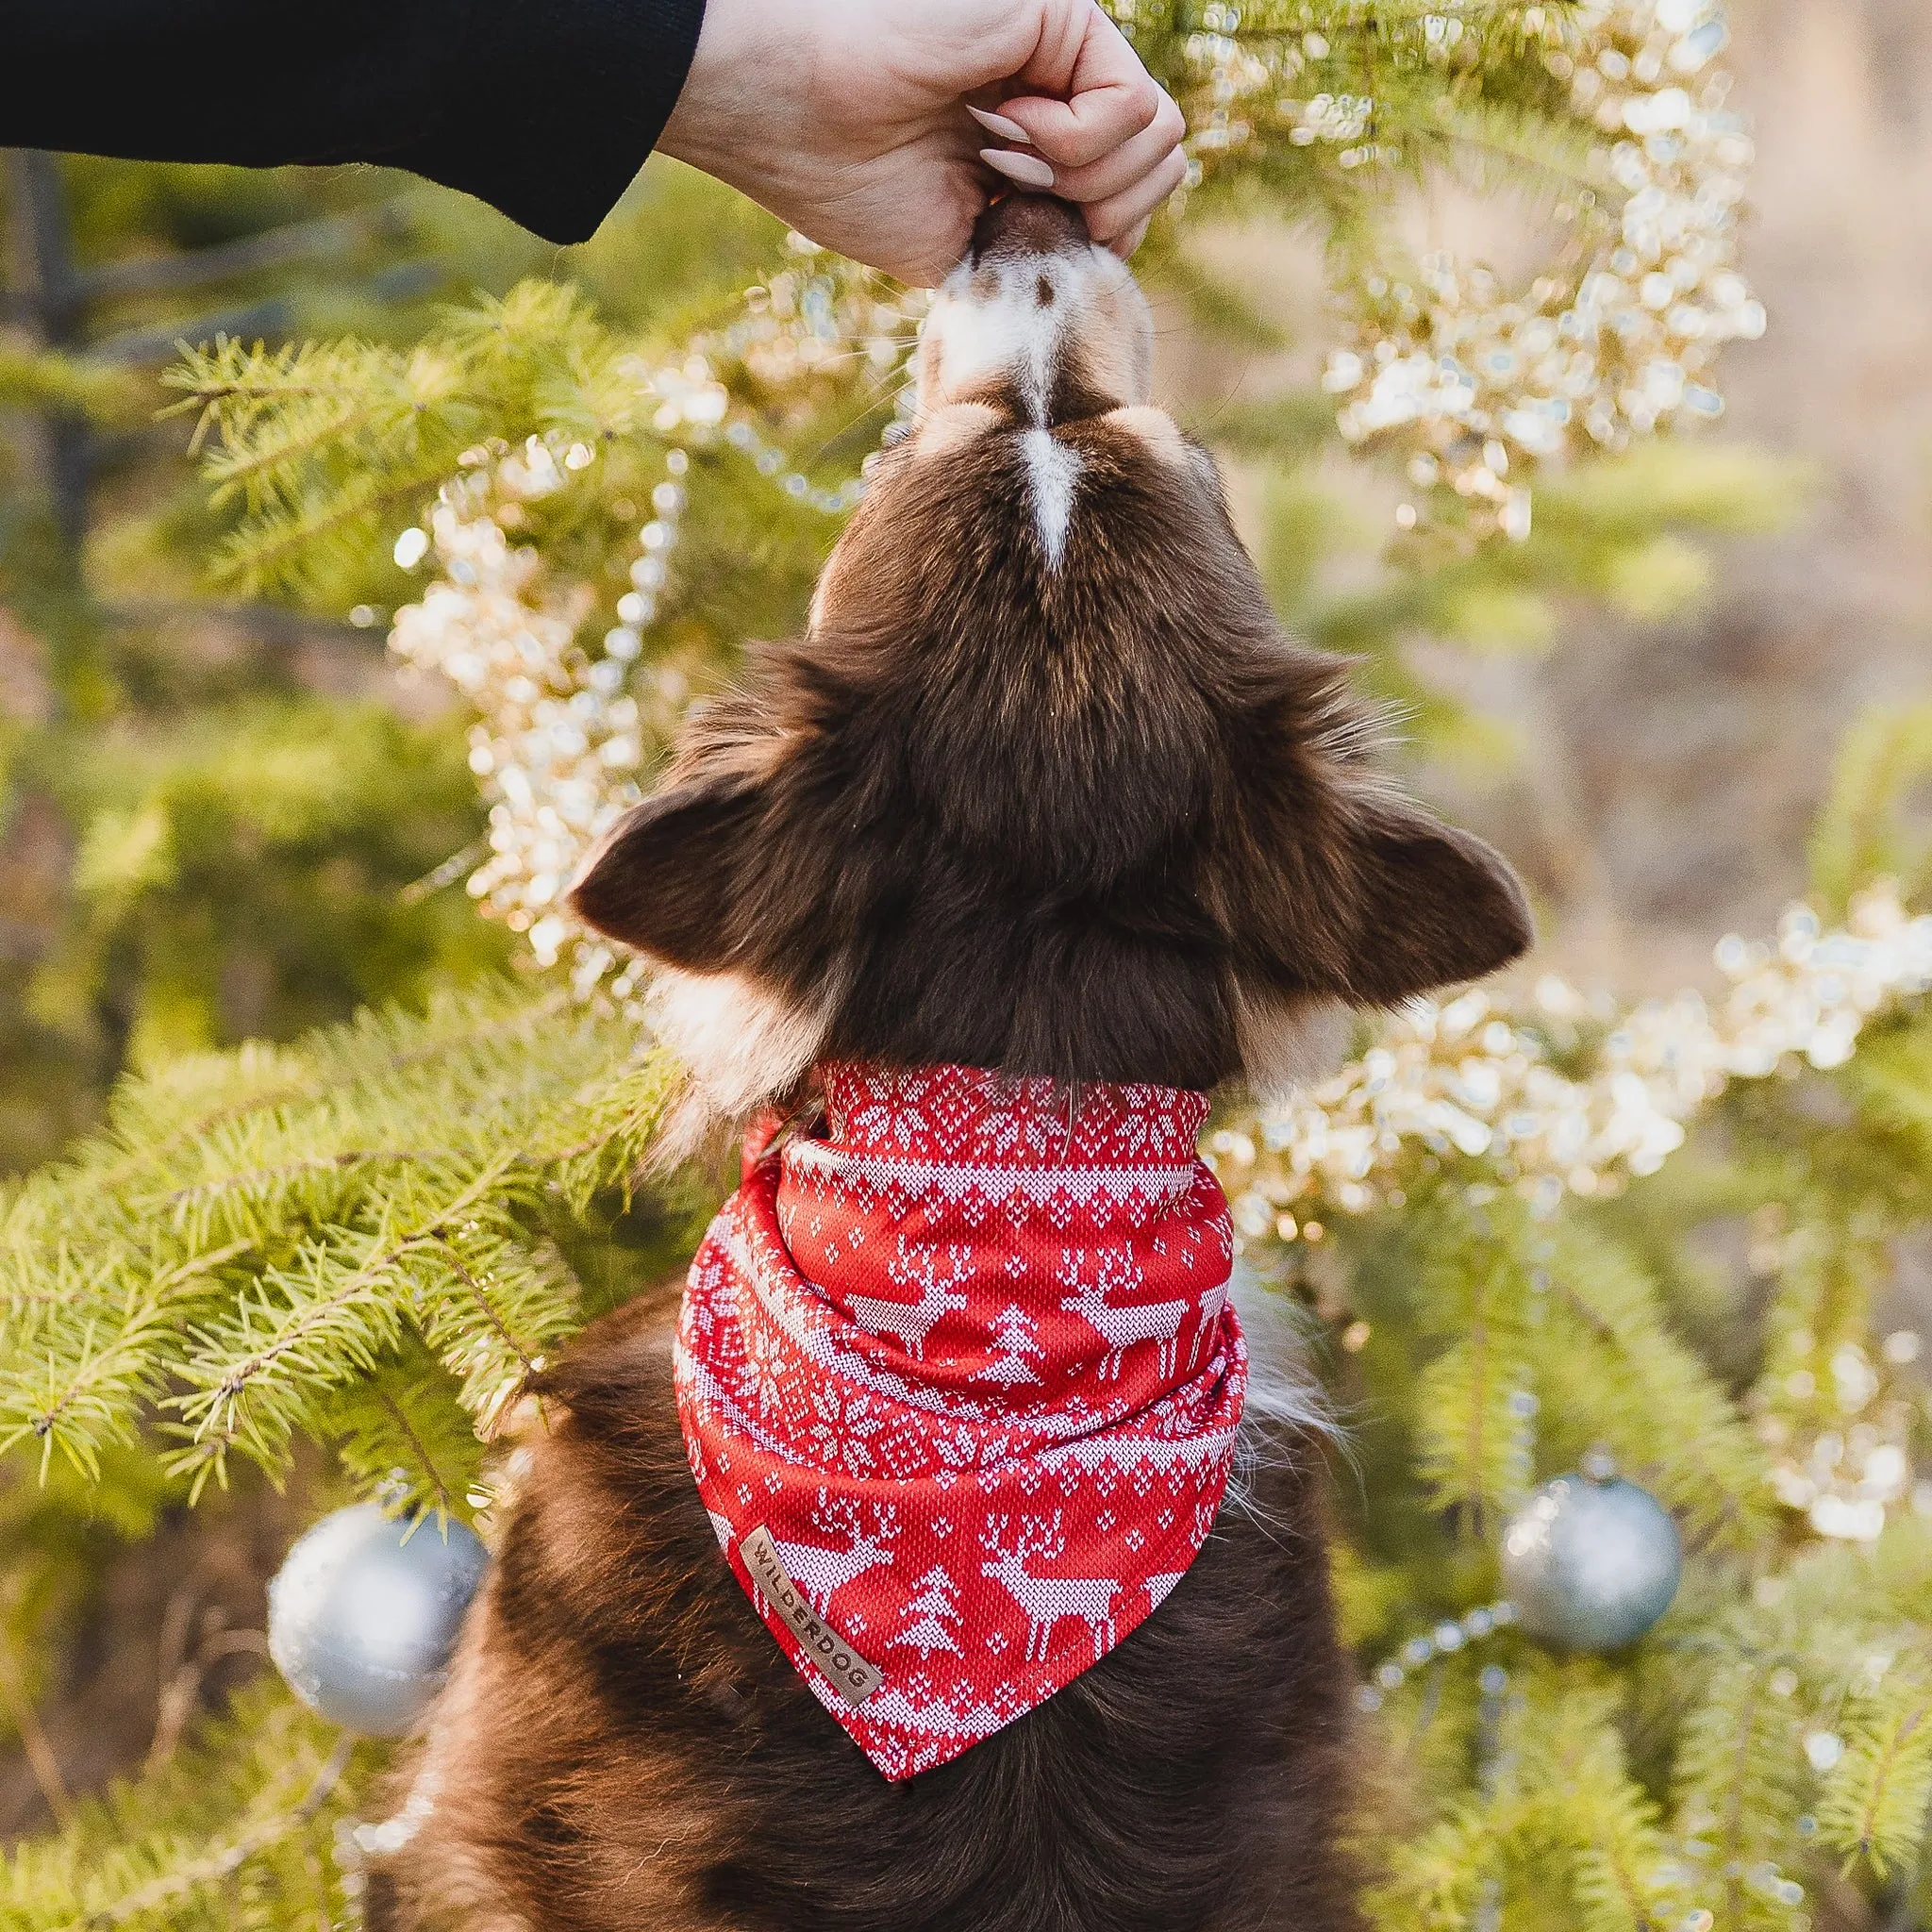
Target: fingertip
999, 124
1025, 171
1119, 215
1031, 113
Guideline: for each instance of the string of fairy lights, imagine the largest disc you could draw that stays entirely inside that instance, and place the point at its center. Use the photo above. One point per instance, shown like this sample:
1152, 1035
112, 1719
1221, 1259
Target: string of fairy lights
1474, 1081
567, 719
1477, 385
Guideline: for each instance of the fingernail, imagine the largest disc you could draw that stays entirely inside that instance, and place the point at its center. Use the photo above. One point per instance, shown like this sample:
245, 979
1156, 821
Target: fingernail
998, 124
1027, 171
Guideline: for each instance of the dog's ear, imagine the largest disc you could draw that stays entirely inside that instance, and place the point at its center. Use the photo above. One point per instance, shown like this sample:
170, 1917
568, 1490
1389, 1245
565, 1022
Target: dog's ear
1433, 906
1339, 886
665, 878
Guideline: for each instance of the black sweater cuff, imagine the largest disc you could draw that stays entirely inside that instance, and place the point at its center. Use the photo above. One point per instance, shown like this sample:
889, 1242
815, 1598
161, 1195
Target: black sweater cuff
543, 107
564, 101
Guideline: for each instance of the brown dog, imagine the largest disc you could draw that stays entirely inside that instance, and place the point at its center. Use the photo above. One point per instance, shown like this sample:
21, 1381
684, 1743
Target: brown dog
1042, 789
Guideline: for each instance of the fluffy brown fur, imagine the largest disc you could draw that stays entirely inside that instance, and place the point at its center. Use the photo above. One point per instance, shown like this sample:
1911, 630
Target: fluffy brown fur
1044, 787
624, 1746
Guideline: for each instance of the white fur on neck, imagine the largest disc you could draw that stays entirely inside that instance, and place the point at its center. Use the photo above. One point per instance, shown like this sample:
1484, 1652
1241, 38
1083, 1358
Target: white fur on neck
739, 1043
1286, 1044
1286, 1403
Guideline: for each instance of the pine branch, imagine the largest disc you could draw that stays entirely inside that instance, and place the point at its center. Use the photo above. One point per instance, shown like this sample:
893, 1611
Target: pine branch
1874, 1802
1578, 1794
232, 1834
1472, 1405
1435, 1881
294, 546
1739, 1776
402, 1432
222, 1862
272, 1224
1864, 831
1610, 1371
316, 1324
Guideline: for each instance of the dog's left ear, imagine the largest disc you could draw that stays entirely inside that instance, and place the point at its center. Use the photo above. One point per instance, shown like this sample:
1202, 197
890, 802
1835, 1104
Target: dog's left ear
1340, 886
1433, 906
664, 880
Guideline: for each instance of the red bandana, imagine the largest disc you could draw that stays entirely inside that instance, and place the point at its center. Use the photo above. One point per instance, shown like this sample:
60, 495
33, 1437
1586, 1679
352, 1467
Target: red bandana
959, 1388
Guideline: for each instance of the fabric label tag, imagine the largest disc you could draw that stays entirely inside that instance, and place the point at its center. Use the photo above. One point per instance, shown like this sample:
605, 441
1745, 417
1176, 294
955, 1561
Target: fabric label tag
855, 1678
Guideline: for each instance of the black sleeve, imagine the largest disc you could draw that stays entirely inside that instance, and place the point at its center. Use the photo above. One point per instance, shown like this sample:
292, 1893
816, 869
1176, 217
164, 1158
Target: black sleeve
543, 107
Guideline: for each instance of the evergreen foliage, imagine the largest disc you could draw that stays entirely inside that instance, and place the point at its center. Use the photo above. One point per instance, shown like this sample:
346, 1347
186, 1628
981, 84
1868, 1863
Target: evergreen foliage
257, 1237
247, 1845
362, 1233
122, 674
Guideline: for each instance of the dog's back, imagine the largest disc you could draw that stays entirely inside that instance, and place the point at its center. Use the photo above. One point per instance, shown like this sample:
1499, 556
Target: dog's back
622, 1745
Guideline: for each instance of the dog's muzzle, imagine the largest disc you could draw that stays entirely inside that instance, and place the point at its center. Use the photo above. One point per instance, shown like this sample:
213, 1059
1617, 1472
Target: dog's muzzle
1021, 225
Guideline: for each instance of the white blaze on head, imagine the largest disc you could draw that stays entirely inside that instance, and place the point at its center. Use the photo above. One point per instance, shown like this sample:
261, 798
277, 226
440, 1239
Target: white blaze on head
1033, 301
1054, 470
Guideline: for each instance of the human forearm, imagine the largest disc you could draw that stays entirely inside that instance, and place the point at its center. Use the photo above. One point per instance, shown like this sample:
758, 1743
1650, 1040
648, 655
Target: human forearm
543, 107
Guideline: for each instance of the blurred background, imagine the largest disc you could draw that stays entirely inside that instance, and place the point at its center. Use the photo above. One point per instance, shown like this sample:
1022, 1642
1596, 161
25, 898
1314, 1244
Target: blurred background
1679, 761
226, 816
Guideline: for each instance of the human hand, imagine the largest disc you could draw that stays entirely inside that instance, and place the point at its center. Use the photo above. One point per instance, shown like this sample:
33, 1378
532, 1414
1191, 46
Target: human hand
855, 120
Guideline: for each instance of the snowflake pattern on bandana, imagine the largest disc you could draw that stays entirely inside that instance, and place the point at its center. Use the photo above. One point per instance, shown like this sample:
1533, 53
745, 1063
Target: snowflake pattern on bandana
964, 1355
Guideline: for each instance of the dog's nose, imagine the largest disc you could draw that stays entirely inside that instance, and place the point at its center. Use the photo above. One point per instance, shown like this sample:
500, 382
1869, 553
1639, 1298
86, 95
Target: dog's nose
1028, 225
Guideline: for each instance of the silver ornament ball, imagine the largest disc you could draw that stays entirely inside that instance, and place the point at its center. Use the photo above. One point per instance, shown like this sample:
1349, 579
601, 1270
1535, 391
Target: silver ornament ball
363, 1622
1590, 1562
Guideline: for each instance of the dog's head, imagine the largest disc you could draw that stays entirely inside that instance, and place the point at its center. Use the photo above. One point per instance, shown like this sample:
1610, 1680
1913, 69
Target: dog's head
1043, 786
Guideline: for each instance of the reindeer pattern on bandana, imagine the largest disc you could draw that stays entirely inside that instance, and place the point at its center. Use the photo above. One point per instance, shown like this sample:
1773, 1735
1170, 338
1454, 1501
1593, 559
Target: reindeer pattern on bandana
964, 1355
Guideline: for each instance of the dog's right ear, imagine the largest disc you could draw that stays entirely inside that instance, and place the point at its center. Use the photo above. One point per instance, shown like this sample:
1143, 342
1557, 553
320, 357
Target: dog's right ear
664, 878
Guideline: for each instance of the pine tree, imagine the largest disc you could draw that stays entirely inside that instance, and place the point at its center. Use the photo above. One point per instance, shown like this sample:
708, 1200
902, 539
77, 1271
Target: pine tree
334, 1259
1017, 1338
932, 1618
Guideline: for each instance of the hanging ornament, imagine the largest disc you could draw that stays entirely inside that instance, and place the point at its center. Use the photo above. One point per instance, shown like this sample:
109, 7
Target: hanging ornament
362, 1616
1590, 1561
